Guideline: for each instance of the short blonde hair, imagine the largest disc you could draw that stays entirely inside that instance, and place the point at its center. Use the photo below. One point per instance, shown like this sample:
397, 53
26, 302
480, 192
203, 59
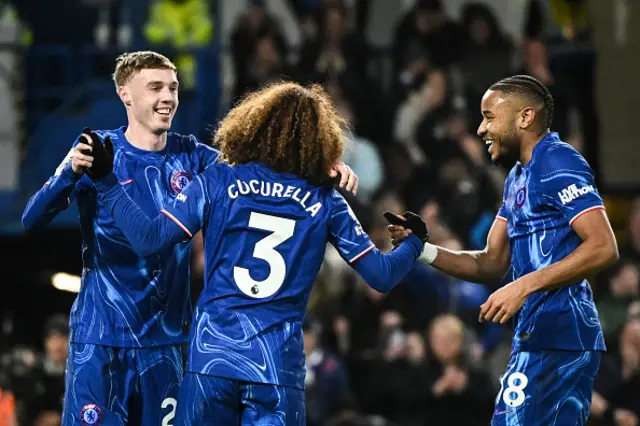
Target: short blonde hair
129, 64
451, 323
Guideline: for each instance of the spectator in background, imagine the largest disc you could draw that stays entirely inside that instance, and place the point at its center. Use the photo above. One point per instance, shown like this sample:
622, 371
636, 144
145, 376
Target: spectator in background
363, 321
398, 384
254, 26
180, 25
488, 55
47, 375
426, 32
453, 382
266, 64
631, 249
326, 382
624, 290
361, 154
615, 399
419, 114
469, 187
337, 55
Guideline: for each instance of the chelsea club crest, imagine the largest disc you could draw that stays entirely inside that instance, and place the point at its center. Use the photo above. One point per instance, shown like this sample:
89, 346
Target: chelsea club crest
179, 181
521, 195
91, 415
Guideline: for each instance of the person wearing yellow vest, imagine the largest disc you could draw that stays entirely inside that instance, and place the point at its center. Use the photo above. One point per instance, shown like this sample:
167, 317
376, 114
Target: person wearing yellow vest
183, 25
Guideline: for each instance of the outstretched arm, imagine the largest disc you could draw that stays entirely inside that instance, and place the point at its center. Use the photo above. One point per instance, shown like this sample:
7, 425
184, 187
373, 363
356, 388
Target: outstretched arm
383, 271
149, 236
486, 266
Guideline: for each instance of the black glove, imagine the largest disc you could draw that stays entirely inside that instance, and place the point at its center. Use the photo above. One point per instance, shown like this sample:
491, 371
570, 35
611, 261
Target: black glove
411, 221
102, 156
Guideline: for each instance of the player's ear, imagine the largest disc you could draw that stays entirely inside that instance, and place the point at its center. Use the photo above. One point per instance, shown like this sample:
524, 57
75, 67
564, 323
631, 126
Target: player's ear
527, 117
124, 95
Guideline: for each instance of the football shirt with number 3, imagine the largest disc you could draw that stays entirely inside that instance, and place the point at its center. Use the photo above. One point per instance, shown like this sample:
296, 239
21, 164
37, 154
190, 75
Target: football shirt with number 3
268, 251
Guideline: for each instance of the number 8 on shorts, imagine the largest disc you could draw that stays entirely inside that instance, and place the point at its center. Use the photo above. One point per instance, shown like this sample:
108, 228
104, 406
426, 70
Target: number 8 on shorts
513, 396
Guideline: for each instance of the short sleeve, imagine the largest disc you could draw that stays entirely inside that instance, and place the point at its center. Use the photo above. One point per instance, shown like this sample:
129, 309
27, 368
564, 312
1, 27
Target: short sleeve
568, 184
502, 211
189, 208
346, 233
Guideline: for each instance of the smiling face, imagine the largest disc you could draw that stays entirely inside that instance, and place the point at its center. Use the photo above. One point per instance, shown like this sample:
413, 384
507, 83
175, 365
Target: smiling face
500, 127
151, 98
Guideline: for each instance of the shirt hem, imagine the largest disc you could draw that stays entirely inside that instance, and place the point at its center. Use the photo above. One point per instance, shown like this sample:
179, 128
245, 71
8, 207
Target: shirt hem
127, 344
244, 379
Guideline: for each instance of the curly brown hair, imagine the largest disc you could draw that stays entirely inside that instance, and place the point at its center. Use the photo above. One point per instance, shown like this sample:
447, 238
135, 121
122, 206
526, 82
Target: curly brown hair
286, 126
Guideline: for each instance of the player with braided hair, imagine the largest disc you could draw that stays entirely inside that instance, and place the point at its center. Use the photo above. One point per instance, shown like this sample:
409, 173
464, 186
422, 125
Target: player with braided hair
551, 232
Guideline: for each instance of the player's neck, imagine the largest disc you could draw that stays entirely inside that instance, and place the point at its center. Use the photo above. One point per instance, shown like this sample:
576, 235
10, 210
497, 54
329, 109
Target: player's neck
527, 146
143, 139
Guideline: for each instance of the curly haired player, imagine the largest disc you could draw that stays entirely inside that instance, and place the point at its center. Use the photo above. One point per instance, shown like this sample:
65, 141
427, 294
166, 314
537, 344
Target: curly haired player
266, 213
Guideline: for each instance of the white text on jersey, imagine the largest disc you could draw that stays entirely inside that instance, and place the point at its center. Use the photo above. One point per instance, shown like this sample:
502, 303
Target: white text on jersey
572, 192
273, 189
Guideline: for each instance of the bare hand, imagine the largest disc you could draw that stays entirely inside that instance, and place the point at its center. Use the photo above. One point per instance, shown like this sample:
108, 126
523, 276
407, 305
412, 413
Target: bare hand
476, 350
458, 379
624, 417
79, 160
504, 302
598, 405
341, 326
390, 319
441, 386
348, 179
398, 233
474, 148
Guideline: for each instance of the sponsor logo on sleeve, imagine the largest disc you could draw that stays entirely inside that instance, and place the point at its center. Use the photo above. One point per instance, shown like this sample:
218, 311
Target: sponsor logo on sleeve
572, 192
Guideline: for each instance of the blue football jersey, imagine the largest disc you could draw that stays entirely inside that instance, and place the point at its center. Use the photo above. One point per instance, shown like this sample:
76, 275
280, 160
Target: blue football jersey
126, 300
541, 201
267, 236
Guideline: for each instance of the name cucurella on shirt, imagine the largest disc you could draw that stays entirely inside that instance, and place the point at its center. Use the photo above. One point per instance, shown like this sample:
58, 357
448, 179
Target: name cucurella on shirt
275, 190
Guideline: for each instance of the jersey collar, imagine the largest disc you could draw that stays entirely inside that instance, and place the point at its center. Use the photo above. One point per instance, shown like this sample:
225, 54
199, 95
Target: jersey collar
550, 137
133, 149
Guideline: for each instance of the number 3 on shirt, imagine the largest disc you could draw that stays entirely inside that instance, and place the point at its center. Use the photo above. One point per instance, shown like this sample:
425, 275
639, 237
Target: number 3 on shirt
265, 249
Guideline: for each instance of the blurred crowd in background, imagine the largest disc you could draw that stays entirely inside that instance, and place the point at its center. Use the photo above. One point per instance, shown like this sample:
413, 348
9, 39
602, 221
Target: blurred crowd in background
415, 356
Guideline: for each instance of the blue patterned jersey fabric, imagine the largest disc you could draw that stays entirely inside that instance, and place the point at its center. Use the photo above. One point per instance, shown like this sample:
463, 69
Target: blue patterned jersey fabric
264, 249
541, 201
126, 300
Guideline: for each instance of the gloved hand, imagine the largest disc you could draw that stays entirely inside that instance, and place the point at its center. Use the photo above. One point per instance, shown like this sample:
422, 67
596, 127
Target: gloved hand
102, 156
412, 221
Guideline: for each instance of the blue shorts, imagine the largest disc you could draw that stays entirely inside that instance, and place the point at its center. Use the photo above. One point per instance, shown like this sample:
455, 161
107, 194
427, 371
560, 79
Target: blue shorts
548, 388
121, 386
211, 400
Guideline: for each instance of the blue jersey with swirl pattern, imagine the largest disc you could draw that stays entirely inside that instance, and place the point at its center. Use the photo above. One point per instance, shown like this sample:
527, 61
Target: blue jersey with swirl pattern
541, 201
126, 300
265, 244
